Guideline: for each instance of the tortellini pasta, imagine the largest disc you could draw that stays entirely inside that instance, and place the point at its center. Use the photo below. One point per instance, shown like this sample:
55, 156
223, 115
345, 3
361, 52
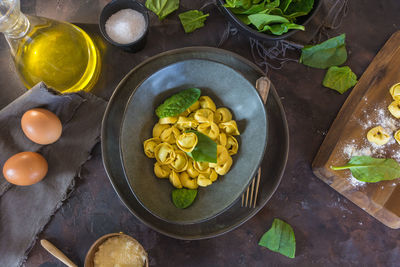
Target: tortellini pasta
187, 142
161, 171
180, 162
397, 136
173, 138
232, 145
395, 91
149, 146
206, 102
164, 153
394, 109
209, 129
378, 136
229, 127
222, 115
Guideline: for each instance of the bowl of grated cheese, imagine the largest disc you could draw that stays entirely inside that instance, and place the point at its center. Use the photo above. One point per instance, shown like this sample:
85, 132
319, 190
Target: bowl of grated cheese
125, 24
116, 249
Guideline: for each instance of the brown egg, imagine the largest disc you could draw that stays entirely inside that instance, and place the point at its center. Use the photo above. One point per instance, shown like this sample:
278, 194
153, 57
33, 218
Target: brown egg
25, 168
41, 126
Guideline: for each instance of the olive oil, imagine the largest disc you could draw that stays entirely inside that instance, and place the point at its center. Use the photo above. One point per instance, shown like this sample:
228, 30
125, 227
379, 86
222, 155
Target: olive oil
58, 53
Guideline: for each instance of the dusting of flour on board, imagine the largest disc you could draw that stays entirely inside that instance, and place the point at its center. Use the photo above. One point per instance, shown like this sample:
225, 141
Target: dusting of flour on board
365, 148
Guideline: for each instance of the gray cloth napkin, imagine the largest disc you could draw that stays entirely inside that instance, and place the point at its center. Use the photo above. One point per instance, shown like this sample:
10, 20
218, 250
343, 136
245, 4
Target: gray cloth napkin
24, 211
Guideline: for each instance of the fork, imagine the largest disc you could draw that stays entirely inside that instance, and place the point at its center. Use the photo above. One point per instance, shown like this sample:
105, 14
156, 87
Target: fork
263, 85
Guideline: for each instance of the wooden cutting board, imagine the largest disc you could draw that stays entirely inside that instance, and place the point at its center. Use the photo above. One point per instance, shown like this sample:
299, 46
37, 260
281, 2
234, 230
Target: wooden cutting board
365, 108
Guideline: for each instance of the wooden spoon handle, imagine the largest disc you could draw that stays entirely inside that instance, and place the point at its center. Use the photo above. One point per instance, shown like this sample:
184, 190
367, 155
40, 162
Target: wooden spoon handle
57, 253
263, 85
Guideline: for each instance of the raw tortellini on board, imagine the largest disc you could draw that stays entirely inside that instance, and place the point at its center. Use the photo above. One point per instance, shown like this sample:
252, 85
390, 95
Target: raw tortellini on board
172, 140
378, 135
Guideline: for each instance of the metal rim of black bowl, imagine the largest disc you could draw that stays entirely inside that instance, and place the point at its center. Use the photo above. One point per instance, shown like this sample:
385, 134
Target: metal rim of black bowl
115, 6
115, 175
250, 32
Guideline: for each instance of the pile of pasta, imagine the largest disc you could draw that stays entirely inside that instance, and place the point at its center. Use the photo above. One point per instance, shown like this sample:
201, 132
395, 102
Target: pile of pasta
172, 139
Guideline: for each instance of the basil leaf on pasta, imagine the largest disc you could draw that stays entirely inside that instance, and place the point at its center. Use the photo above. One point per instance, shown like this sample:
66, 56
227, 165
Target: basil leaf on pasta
205, 150
178, 103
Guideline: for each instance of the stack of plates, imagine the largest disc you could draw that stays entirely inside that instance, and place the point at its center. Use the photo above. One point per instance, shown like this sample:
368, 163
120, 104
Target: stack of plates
217, 208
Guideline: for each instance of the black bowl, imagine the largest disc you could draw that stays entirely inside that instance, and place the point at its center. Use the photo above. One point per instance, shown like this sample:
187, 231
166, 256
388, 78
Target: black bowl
251, 32
115, 6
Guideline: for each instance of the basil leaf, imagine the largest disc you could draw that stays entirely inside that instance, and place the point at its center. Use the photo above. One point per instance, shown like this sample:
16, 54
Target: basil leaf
339, 78
183, 198
162, 8
192, 20
205, 150
178, 103
371, 170
280, 238
330, 53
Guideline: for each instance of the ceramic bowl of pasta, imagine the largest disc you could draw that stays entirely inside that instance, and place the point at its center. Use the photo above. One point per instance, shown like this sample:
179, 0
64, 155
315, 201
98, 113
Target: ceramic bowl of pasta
192, 137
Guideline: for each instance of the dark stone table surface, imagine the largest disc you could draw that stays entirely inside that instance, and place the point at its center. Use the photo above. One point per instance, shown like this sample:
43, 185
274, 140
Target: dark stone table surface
329, 229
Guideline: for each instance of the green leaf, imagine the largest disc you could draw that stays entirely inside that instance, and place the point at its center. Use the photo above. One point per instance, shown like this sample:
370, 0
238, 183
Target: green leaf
330, 53
244, 19
371, 170
249, 11
279, 29
205, 150
301, 7
273, 4
183, 198
162, 8
280, 238
261, 20
178, 103
284, 5
339, 78
238, 3
192, 20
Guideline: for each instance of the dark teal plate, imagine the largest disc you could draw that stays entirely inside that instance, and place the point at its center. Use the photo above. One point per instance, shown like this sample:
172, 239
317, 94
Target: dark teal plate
273, 164
228, 88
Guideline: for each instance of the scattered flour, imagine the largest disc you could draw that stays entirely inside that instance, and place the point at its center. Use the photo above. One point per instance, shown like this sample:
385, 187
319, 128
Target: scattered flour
365, 148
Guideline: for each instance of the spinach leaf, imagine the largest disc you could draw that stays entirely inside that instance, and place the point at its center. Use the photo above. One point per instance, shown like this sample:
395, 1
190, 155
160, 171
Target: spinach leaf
238, 3
192, 20
371, 170
273, 4
339, 79
330, 53
244, 19
162, 8
301, 7
261, 20
178, 103
280, 238
248, 11
205, 150
279, 29
183, 198
284, 5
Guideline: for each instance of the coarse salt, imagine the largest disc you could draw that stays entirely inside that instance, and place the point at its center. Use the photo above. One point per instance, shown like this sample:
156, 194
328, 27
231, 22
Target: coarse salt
126, 26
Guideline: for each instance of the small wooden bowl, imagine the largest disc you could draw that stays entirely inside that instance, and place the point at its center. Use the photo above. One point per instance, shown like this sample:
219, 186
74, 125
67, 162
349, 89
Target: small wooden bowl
89, 259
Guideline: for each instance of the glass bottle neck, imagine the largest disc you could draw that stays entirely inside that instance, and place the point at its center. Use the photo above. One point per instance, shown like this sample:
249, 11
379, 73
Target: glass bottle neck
18, 28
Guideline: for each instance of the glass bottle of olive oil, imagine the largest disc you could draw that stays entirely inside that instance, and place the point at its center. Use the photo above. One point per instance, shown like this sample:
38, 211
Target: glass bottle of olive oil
58, 53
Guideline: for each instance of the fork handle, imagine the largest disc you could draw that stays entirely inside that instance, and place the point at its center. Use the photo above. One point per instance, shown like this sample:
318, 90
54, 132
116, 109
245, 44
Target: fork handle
263, 85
